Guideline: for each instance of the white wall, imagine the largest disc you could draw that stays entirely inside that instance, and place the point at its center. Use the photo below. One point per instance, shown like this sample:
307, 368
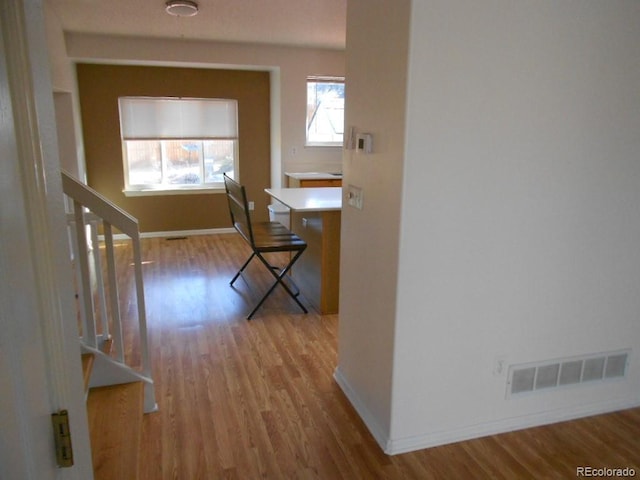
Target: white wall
62, 71
520, 219
65, 90
289, 66
377, 40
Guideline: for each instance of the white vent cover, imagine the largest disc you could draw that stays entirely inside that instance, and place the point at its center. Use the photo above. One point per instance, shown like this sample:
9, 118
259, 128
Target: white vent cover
533, 377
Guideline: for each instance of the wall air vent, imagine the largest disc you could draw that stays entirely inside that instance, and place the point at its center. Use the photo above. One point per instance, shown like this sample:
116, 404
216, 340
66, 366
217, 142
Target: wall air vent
587, 369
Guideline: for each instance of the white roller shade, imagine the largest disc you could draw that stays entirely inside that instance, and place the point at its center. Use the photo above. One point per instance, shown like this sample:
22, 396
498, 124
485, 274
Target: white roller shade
177, 118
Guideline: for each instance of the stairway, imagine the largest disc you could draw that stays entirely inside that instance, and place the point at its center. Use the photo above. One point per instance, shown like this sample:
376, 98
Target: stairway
117, 393
115, 424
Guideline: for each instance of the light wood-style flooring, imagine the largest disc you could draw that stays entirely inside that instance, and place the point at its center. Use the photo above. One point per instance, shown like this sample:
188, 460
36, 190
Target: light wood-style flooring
256, 399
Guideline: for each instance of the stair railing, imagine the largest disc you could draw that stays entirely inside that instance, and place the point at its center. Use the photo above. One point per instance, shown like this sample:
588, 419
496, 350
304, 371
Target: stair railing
99, 323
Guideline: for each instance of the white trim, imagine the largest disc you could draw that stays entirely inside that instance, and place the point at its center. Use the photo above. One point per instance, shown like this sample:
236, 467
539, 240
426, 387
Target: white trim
337, 144
175, 233
148, 192
275, 98
367, 417
55, 369
409, 444
397, 446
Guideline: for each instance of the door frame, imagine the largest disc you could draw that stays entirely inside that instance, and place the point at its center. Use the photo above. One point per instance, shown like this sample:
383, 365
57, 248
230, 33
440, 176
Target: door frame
40, 363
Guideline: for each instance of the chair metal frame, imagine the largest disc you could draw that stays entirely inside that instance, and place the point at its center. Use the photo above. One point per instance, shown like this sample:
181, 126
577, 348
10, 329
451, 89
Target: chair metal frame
263, 237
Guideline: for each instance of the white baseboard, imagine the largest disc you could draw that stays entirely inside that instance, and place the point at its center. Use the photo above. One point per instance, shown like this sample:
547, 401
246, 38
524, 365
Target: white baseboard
408, 444
187, 233
175, 233
369, 420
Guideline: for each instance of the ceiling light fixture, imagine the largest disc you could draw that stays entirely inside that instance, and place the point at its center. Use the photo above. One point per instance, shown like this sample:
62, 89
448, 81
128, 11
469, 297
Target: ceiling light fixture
181, 8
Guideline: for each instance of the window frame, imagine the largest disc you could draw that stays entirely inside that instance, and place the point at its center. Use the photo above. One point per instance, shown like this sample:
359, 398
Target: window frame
165, 188
329, 80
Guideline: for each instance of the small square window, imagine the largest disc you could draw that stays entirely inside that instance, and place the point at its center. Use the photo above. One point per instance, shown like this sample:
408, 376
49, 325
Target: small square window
325, 111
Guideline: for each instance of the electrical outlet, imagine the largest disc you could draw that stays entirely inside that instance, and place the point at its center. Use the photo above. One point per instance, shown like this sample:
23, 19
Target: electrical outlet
252, 206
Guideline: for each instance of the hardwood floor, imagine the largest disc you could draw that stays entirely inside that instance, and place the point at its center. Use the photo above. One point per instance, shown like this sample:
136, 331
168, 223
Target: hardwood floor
248, 400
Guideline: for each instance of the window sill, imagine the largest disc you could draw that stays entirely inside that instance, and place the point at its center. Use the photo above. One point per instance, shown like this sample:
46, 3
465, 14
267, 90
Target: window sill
320, 144
146, 192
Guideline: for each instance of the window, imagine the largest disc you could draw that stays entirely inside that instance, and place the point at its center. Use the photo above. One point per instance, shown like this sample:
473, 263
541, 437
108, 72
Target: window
177, 144
325, 111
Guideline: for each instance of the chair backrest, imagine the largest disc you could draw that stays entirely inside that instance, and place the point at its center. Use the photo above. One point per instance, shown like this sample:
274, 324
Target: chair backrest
239, 208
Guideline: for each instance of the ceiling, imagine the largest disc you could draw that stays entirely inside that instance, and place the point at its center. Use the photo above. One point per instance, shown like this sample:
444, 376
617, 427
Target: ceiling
309, 23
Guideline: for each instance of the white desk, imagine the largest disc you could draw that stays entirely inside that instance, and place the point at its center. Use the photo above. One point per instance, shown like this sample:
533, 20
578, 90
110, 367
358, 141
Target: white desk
315, 217
317, 199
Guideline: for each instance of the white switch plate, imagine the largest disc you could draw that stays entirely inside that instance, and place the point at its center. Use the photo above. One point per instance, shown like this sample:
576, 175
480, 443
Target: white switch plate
499, 365
364, 143
354, 196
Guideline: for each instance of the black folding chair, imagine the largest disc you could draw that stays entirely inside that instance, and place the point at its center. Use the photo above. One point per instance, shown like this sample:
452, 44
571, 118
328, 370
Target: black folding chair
263, 237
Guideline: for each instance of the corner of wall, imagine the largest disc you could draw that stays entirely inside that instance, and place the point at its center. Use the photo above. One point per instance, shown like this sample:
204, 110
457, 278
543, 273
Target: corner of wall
379, 434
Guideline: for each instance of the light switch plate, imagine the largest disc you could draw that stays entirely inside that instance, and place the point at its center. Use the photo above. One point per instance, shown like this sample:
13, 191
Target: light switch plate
354, 196
364, 143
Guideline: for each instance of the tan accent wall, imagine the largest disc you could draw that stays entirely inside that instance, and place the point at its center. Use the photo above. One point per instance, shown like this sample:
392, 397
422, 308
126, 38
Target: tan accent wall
99, 88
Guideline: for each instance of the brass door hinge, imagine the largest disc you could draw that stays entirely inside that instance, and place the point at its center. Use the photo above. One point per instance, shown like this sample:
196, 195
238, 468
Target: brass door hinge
62, 436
